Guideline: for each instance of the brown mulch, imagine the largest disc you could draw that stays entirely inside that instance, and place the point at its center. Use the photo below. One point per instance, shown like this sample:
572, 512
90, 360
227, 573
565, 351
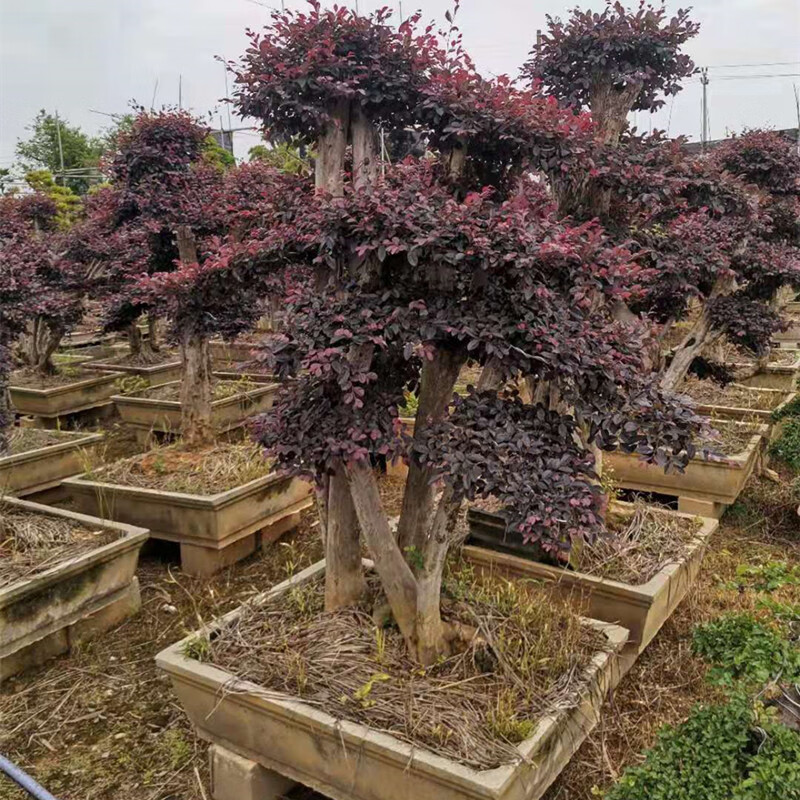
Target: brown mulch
144, 359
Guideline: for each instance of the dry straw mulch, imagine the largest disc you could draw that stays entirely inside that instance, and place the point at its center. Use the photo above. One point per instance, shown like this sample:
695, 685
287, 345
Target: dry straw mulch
31, 543
526, 658
214, 469
30, 379
733, 395
22, 440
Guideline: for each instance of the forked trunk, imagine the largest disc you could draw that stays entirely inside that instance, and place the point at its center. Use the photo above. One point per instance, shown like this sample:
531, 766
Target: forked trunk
197, 389
437, 383
344, 577
44, 341
699, 337
395, 575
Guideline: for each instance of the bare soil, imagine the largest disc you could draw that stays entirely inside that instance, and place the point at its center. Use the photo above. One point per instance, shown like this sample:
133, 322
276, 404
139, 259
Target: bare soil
63, 377
144, 360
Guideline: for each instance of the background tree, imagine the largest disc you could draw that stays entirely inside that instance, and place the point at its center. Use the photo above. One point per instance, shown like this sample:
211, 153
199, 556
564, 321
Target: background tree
41, 150
69, 207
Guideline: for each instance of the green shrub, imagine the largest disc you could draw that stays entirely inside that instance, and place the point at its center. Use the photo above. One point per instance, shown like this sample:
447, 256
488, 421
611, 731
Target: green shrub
721, 752
740, 648
787, 446
702, 759
765, 577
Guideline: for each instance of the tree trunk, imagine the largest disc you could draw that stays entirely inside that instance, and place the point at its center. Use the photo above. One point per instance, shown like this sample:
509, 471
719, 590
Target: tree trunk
152, 331
44, 342
610, 108
197, 384
432, 641
197, 389
396, 578
331, 150
366, 150
491, 377
438, 380
697, 339
344, 578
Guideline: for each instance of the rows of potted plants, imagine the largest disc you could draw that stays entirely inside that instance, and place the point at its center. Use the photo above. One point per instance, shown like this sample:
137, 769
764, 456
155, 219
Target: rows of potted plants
510, 590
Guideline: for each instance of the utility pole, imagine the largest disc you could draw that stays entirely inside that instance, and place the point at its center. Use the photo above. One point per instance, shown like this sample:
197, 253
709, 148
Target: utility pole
704, 81
797, 108
60, 149
180, 92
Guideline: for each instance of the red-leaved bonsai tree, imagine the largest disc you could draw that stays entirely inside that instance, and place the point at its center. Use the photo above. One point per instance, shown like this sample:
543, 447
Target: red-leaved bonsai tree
418, 268
707, 238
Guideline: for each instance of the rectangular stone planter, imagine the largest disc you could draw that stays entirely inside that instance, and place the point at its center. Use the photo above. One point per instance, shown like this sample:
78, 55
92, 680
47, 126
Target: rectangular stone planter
642, 609
71, 398
164, 416
705, 488
750, 414
49, 613
775, 376
275, 739
154, 375
213, 531
791, 336
232, 351
254, 377
45, 468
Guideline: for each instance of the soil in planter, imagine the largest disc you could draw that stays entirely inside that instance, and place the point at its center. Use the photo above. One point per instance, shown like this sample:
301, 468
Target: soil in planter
215, 469
729, 440
30, 379
527, 659
633, 549
726, 353
143, 359
222, 390
23, 440
732, 395
32, 543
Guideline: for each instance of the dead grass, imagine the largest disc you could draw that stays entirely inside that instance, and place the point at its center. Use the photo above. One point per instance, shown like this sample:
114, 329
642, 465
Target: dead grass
637, 547
146, 358
222, 390
218, 468
734, 394
23, 440
30, 379
526, 658
726, 353
729, 438
32, 543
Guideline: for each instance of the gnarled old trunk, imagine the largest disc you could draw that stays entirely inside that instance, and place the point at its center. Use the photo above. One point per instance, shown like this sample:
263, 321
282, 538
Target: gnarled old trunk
152, 332
140, 348
197, 385
43, 340
699, 337
331, 150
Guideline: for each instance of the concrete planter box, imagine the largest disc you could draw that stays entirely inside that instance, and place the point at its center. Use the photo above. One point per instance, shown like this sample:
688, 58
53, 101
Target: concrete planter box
213, 531
232, 351
791, 336
98, 351
155, 375
750, 414
254, 377
49, 613
70, 398
775, 376
268, 740
705, 488
148, 414
642, 609
45, 468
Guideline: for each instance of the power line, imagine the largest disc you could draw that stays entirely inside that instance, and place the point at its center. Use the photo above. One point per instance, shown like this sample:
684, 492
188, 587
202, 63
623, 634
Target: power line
765, 64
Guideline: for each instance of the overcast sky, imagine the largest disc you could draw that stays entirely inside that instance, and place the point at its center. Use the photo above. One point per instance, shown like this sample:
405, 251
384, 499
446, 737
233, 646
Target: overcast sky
82, 55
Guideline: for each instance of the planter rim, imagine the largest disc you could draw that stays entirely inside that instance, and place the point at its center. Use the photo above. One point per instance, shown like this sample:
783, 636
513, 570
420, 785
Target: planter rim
98, 380
642, 592
207, 501
774, 369
132, 538
260, 390
757, 412
77, 437
384, 745
109, 366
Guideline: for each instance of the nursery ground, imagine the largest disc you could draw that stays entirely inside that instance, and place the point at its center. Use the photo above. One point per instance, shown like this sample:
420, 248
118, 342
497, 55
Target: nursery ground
102, 723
